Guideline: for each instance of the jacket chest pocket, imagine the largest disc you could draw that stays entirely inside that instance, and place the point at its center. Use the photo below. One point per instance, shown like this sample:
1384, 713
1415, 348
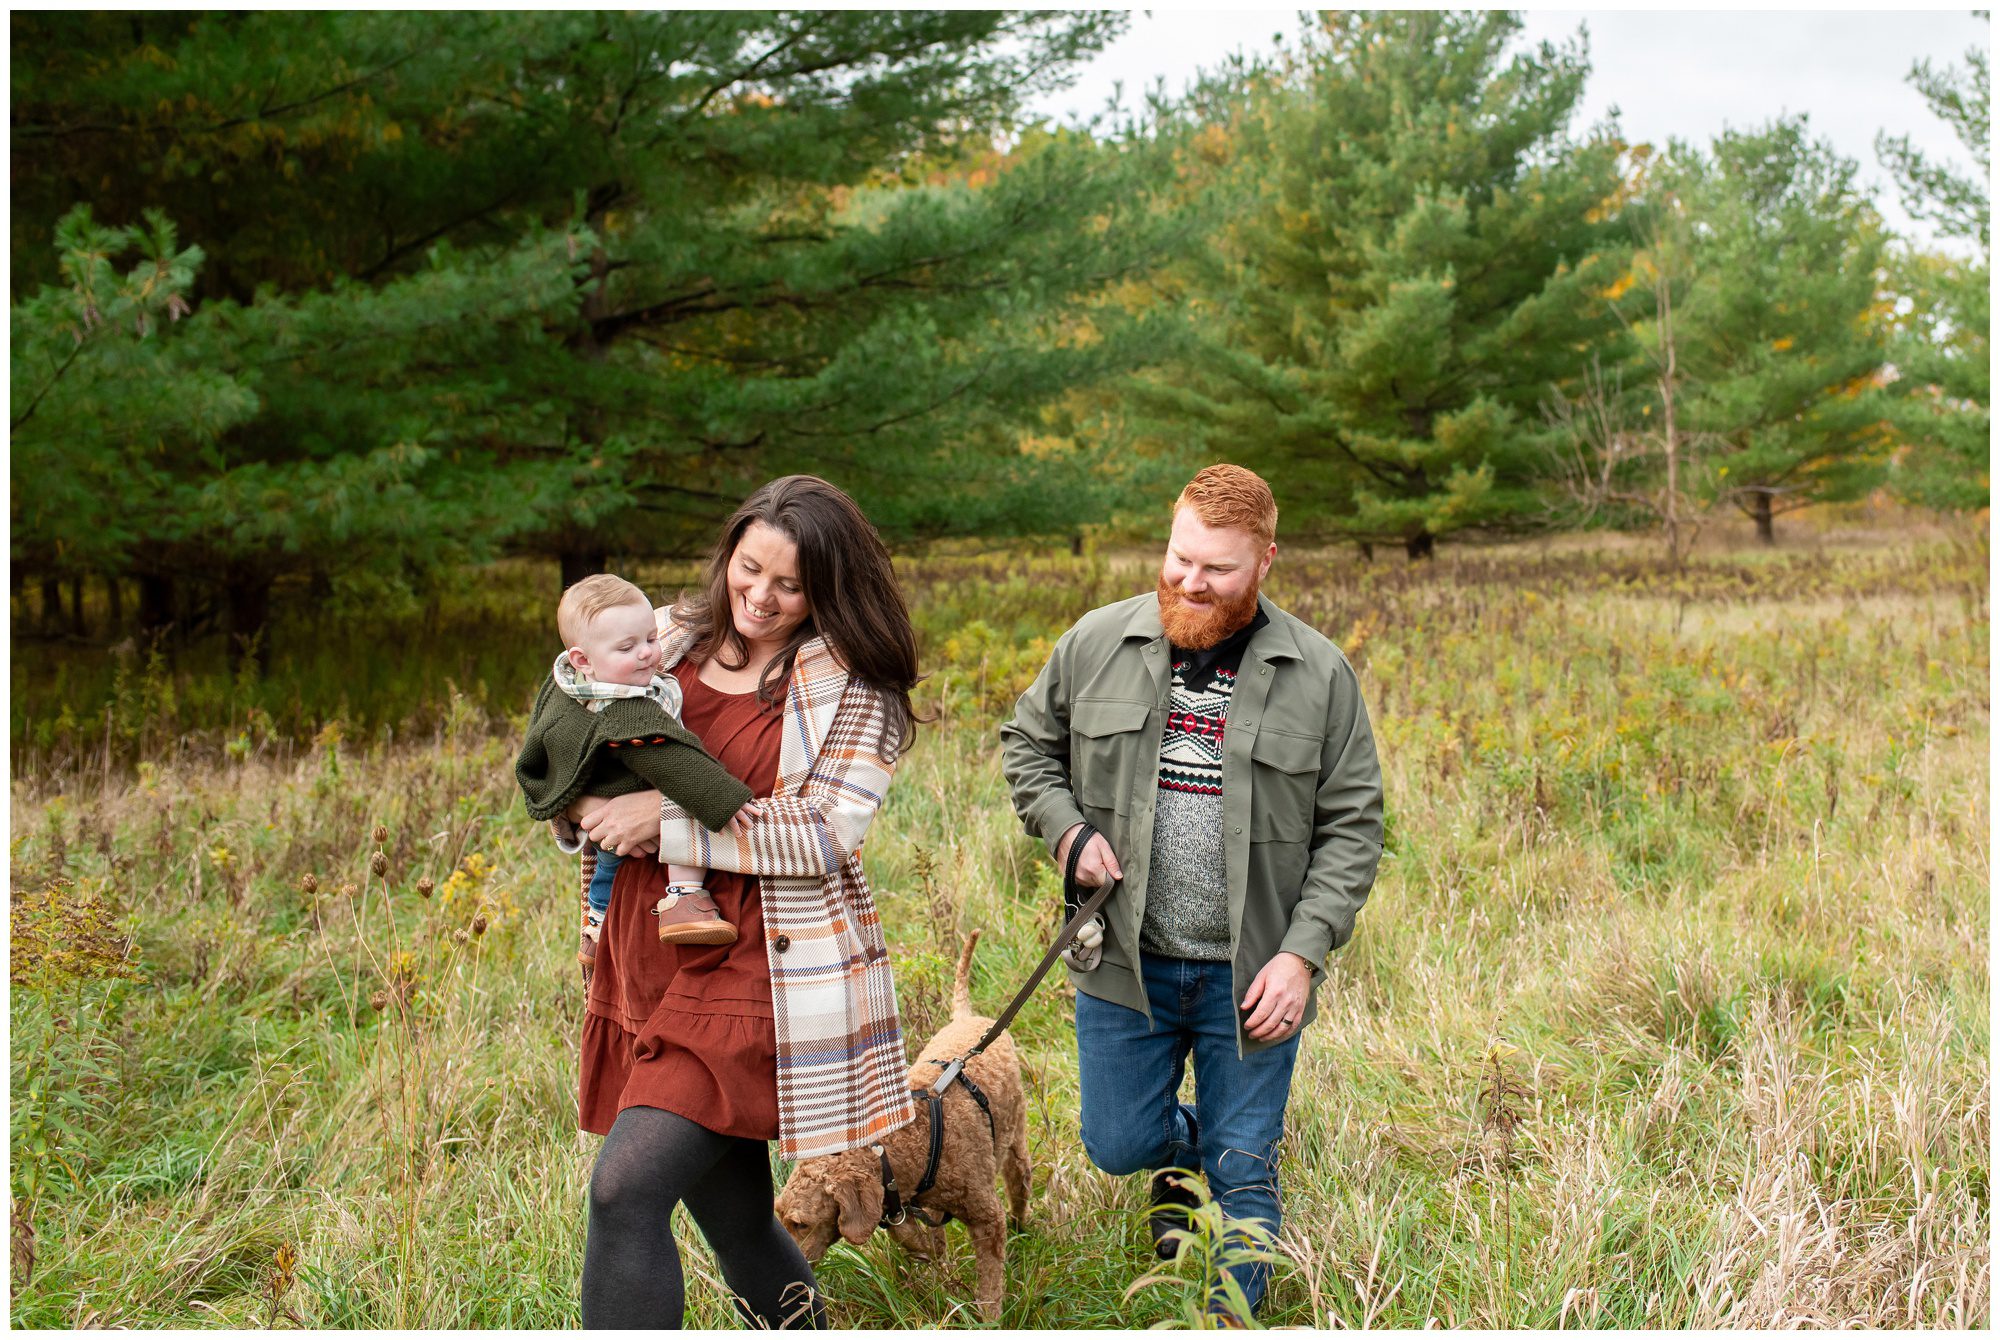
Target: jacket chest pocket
1107, 744
1283, 784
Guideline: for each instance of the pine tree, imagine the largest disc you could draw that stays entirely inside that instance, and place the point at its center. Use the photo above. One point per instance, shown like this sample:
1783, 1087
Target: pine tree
1942, 349
96, 397
1781, 335
1417, 256
571, 283
298, 434
1943, 345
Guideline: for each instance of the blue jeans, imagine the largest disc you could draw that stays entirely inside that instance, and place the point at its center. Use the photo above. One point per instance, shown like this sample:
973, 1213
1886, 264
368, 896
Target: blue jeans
1130, 1075
600, 881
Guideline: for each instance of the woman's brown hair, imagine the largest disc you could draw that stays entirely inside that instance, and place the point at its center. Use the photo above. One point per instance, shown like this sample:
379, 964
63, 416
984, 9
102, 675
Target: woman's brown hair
851, 594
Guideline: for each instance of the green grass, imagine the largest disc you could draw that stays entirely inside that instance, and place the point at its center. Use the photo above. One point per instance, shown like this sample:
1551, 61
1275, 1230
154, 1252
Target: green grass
1669, 1009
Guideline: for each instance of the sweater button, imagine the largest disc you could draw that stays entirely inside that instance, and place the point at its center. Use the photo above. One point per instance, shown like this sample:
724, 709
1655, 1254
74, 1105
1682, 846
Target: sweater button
782, 943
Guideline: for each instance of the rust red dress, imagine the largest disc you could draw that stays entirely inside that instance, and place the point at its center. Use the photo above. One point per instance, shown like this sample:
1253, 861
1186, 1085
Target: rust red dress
687, 1028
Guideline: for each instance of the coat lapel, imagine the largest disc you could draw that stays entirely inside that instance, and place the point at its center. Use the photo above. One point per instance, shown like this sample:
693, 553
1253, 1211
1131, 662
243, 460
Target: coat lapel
818, 681
675, 639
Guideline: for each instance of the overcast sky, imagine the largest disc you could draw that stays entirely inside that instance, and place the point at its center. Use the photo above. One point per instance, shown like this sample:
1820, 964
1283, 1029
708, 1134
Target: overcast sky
1686, 74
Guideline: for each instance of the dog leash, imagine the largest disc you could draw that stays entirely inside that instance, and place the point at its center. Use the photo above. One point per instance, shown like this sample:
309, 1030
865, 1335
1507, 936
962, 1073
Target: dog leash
1086, 908
894, 1208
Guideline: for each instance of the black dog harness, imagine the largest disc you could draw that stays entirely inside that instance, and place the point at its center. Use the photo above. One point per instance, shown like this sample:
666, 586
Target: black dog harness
894, 1207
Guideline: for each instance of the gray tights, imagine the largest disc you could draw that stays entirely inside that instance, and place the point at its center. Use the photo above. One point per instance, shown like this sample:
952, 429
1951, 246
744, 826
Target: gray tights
653, 1160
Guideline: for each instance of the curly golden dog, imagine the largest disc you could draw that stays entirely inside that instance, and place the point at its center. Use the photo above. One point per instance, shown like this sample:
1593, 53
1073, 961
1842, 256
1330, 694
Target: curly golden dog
841, 1195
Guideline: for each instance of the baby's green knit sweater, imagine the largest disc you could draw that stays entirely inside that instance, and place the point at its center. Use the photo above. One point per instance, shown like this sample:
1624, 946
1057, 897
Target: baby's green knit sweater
632, 745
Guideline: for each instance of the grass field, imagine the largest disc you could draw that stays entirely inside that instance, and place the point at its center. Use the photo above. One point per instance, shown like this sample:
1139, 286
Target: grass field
1670, 1007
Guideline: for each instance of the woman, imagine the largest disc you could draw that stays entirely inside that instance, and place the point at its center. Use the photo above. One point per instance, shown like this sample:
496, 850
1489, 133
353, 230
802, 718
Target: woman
796, 660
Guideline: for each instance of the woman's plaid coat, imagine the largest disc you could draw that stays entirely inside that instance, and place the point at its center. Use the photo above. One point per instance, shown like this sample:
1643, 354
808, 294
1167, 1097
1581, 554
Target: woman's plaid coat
842, 1075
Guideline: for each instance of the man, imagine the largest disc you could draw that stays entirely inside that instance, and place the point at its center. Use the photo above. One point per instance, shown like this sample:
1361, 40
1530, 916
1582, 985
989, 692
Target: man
1221, 749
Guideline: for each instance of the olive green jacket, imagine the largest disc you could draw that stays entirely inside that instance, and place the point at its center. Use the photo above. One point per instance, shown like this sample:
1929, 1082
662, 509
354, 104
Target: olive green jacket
1301, 787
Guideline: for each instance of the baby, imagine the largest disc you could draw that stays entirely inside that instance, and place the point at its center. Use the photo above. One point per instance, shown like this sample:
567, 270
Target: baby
604, 724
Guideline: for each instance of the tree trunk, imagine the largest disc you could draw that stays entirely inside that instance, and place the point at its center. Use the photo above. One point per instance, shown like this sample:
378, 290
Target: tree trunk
51, 603
1760, 512
76, 624
156, 601
1076, 544
580, 563
1669, 370
114, 600
1421, 545
249, 596
582, 556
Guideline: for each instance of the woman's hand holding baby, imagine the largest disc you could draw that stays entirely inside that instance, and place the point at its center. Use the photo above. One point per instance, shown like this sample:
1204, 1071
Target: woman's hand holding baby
630, 825
624, 825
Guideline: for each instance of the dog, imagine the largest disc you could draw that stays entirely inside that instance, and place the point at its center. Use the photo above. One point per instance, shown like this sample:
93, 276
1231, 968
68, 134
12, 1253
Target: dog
841, 1195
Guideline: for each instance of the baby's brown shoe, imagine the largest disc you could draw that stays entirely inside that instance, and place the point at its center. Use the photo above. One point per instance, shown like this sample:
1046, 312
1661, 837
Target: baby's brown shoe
688, 916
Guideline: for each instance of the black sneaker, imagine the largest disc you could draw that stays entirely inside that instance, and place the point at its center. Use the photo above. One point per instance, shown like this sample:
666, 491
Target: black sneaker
1173, 1197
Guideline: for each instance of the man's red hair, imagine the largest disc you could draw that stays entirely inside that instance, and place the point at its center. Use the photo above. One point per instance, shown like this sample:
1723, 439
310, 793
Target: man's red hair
1228, 497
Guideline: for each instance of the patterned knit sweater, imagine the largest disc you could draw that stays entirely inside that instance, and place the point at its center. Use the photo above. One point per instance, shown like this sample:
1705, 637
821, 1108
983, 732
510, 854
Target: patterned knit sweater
1187, 898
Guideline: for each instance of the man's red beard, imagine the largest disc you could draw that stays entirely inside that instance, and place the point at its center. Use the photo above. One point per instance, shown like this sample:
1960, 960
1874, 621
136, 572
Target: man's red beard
1199, 625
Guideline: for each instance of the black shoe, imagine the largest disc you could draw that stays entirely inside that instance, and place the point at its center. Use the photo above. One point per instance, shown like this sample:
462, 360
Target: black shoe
1172, 1199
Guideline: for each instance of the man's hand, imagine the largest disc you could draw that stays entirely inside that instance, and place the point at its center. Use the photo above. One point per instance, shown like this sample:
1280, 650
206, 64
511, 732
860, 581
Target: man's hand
623, 825
1277, 998
1098, 866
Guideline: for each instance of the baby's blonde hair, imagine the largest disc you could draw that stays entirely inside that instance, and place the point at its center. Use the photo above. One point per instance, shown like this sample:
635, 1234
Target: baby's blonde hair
590, 598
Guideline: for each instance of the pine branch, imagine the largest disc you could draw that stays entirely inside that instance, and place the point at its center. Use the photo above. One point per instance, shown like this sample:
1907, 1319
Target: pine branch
398, 252
48, 386
172, 131
715, 90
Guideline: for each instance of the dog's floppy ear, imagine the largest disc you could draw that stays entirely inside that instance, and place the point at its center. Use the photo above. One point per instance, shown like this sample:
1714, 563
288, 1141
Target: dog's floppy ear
860, 1202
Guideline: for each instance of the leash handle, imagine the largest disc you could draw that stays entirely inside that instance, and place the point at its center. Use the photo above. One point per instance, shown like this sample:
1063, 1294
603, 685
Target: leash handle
1072, 891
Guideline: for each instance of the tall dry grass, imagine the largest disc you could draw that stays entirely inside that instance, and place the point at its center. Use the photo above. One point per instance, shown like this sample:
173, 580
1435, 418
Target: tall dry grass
1670, 1007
